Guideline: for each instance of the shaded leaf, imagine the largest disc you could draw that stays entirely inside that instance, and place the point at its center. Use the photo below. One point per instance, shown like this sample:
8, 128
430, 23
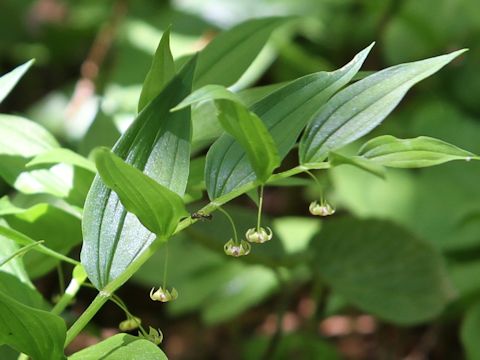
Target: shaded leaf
37, 333
469, 332
121, 346
361, 107
208, 93
412, 153
382, 269
230, 53
160, 73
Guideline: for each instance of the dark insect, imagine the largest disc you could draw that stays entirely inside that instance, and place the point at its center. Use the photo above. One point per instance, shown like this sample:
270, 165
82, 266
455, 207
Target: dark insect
201, 216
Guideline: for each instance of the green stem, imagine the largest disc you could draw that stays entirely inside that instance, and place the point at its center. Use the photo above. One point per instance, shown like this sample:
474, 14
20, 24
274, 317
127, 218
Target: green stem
86, 316
235, 237
165, 267
20, 252
67, 297
260, 204
110, 288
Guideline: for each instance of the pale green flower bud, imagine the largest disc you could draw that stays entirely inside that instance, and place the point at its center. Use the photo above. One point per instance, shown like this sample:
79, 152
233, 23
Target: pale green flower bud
260, 236
236, 250
163, 295
130, 324
321, 209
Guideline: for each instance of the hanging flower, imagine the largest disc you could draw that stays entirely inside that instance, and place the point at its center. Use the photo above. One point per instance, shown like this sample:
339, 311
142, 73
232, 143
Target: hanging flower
163, 295
154, 335
130, 324
321, 209
232, 248
259, 236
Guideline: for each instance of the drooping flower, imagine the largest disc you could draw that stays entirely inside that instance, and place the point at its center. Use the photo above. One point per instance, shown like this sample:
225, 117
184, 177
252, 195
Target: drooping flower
321, 209
232, 248
163, 295
259, 236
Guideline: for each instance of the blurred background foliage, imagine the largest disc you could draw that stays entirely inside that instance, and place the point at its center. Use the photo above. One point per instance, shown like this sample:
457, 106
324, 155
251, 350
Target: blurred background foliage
91, 59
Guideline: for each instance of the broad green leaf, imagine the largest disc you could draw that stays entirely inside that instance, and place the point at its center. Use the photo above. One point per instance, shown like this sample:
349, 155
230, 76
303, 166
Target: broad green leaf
23, 139
412, 153
119, 347
160, 73
196, 183
207, 93
469, 332
337, 159
64, 156
13, 277
230, 53
285, 113
37, 333
59, 229
158, 208
382, 269
249, 130
158, 144
9, 80
362, 106
7, 208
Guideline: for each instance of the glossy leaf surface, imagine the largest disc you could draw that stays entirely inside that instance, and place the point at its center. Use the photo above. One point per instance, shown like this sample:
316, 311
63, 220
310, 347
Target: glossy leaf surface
157, 143
158, 208
160, 73
361, 107
249, 130
285, 113
412, 153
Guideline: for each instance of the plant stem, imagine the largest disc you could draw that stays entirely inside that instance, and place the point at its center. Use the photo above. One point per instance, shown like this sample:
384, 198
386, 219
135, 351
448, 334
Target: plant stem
260, 204
165, 267
111, 287
235, 237
86, 316
67, 297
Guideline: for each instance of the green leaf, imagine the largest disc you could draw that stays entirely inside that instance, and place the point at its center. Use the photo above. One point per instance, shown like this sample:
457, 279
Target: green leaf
230, 53
60, 230
207, 93
36, 333
61, 155
337, 159
382, 269
285, 113
23, 139
253, 136
160, 73
158, 144
121, 346
158, 208
361, 107
13, 277
9, 80
412, 153
469, 332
